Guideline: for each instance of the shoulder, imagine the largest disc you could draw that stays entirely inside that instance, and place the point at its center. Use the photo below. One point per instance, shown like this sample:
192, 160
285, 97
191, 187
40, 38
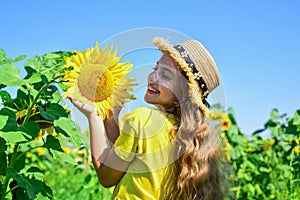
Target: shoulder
143, 115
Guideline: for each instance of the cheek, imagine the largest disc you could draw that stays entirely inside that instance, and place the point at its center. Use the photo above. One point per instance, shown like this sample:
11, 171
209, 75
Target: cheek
168, 91
180, 88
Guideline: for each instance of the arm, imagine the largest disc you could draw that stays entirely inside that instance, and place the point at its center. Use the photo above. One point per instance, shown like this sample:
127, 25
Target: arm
109, 167
112, 126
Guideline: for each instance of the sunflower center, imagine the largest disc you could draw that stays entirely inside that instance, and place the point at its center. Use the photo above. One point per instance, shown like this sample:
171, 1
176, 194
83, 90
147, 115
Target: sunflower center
95, 82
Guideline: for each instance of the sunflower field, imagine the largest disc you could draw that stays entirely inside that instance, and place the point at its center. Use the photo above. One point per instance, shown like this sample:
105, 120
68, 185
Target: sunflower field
43, 156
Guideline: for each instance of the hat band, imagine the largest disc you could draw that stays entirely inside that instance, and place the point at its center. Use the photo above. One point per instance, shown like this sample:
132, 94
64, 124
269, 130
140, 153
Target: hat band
197, 75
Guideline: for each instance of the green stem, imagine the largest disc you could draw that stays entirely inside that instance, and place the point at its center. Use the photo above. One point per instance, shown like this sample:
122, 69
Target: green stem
10, 190
44, 121
59, 76
34, 101
46, 70
11, 165
291, 175
34, 114
37, 97
28, 151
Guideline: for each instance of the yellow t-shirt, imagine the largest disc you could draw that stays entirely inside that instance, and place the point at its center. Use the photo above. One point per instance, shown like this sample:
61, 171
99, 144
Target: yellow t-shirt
145, 141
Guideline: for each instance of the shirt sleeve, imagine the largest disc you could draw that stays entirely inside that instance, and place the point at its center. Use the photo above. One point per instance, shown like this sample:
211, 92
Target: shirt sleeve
127, 143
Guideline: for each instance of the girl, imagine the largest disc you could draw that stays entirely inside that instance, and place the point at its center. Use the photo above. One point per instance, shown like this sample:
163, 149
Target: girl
167, 152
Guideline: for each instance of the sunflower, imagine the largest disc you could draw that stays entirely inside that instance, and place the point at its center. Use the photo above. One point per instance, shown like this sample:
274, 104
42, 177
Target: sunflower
97, 77
220, 118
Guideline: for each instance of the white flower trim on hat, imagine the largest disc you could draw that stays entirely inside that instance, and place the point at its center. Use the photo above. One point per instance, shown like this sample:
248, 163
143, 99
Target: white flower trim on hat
195, 93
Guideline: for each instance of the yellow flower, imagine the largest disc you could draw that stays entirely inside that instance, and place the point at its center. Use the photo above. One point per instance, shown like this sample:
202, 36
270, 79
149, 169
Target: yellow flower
250, 149
228, 158
98, 78
0, 133
232, 176
54, 134
67, 150
297, 140
39, 137
28, 155
296, 149
272, 141
220, 118
40, 151
21, 114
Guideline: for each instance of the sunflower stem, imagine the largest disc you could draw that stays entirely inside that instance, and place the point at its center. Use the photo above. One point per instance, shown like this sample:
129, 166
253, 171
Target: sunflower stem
28, 151
11, 165
34, 102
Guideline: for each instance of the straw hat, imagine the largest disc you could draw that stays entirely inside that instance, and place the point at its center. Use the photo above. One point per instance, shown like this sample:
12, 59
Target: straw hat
199, 67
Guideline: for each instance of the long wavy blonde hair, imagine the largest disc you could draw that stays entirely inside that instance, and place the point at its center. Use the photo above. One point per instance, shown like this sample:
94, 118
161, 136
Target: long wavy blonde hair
199, 172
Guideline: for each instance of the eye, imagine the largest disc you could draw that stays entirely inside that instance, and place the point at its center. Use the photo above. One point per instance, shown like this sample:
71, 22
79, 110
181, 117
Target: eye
166, 74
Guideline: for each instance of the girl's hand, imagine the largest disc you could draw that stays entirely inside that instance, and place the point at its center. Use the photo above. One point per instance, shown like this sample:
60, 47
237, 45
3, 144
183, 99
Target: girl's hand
86, 109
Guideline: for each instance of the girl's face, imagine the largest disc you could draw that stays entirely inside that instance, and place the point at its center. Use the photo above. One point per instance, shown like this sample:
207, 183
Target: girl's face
165, 83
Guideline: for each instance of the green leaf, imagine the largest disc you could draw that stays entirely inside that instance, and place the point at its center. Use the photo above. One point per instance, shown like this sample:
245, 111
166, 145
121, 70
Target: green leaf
233, 131
35, 172
14, 137
87, 179
10, 75
31, 128
2, 86
57, 110
34, 169
3, 163
275, 114
63, 87
3, 121
64, 157
264, 169
53, 112
285, 146
31, 185
19, 58
2, 56
35, 63
258, 131
297, 118
271, 123
20, 163
51, 56
71, 128
3, 159
231, 116
11, 124
41, 197
5, 96
2, 145
53, 143
35, 78
56, 97
236, 152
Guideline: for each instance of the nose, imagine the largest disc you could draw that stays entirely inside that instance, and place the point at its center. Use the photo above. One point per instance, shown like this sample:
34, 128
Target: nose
153, 77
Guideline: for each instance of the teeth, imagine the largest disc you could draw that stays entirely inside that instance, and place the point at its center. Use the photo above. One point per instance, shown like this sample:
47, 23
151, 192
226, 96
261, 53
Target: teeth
153, 90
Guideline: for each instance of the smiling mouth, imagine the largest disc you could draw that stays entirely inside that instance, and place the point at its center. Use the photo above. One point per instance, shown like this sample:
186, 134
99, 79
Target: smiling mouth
153, 90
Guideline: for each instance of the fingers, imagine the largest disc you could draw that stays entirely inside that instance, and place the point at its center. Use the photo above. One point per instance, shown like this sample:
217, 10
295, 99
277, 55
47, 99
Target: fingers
77, 104
86, 109
70, 98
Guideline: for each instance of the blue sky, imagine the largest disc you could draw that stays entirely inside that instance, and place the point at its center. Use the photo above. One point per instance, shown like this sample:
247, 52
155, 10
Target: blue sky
256, 44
